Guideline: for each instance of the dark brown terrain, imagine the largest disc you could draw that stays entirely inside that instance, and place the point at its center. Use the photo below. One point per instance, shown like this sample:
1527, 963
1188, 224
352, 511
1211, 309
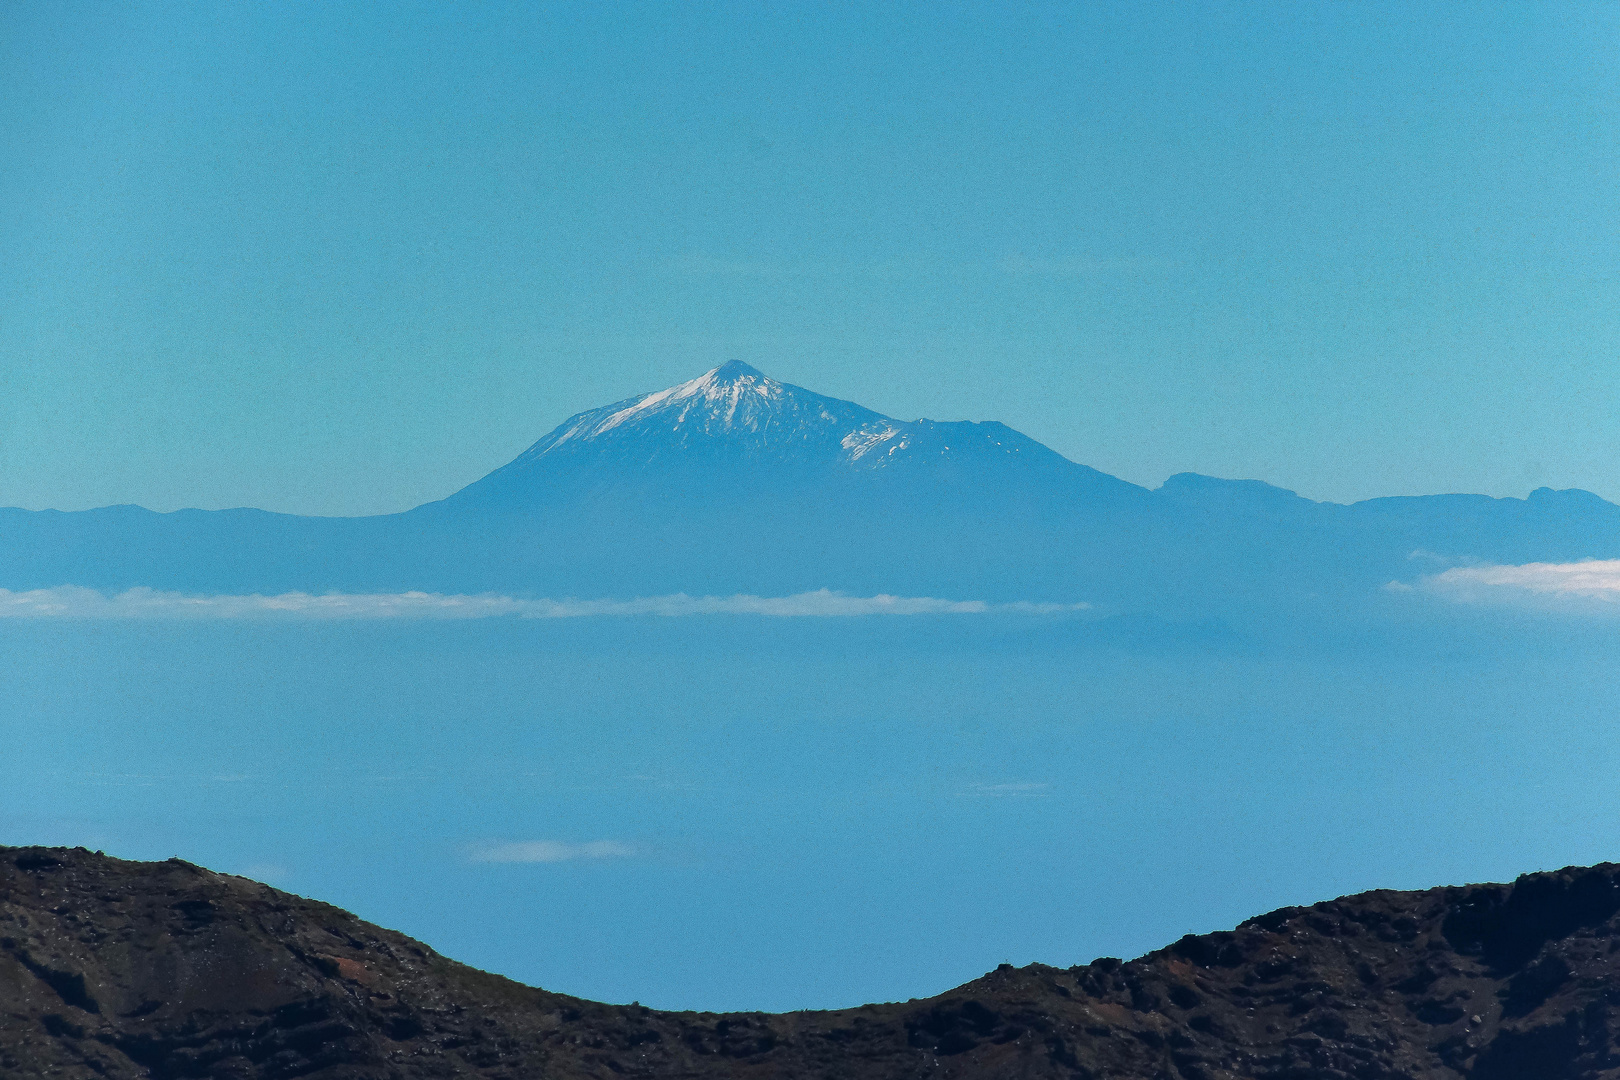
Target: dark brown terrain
158, 970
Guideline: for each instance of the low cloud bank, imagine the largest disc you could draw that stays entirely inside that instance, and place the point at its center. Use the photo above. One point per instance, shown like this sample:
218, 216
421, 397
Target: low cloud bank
73, 602
549, 851
1591, 586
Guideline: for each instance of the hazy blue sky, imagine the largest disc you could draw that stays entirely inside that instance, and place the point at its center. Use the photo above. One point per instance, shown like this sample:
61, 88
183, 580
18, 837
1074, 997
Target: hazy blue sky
346, 258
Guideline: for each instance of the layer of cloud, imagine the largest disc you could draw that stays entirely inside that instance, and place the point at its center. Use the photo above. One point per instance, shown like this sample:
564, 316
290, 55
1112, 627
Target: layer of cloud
548, 851
1591, 586
1022, 790
75, 602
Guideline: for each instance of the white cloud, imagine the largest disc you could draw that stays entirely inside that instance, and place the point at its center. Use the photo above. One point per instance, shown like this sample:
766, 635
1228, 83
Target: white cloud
1022, 790
1593, 585
548, 851
70, 601
73, 602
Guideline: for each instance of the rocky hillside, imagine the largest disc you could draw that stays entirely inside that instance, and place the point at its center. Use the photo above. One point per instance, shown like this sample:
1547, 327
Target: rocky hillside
166, 970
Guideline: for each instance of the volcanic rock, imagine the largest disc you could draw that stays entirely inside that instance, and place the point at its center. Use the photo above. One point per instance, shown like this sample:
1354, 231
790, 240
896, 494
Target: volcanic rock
164, 971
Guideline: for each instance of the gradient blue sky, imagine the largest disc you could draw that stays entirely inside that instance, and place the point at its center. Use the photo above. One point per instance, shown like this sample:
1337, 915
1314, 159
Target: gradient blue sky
339, 258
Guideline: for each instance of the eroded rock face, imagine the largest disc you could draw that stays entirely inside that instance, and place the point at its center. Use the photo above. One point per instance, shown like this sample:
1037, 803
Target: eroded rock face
165, 970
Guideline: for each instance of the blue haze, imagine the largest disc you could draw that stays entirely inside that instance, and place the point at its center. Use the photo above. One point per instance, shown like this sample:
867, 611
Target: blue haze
824, 811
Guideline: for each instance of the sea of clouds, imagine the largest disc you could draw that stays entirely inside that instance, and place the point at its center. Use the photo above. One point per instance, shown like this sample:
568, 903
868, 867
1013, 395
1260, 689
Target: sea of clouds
1591, 587
74, 602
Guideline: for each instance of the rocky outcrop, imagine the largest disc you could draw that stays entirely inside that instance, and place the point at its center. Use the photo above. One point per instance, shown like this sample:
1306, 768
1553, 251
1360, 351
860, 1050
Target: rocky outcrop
165, 970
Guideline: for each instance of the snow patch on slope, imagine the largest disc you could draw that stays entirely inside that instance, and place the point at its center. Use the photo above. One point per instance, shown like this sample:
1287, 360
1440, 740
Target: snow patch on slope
863, 441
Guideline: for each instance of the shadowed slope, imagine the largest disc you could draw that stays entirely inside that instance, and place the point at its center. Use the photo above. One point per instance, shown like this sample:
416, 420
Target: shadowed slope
165, 970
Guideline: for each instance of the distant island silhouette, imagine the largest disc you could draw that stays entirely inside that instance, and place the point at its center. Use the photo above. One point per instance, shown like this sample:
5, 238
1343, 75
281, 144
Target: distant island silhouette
735, 483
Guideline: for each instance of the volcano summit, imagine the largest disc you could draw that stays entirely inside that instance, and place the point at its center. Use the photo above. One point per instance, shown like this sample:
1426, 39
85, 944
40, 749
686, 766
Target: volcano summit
734, 419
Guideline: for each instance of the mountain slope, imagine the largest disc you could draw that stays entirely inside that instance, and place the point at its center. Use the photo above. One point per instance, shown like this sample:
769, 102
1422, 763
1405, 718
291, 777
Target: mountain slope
165, 970
733, 428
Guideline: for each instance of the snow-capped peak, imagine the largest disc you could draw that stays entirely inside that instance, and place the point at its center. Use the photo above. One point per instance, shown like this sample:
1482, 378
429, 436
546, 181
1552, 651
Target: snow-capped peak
733, 399
734, 414
733, 370
720, 390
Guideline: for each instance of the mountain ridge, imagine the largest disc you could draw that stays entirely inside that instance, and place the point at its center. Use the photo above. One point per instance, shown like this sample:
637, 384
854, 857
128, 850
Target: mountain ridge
159, 971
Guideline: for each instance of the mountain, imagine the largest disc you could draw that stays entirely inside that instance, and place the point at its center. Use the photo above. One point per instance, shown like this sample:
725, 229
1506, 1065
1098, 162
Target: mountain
735, 482
774, 473
160, 971
734, 418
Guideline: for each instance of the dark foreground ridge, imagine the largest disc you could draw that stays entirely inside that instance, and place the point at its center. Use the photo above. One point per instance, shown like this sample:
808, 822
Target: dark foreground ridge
165, 970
